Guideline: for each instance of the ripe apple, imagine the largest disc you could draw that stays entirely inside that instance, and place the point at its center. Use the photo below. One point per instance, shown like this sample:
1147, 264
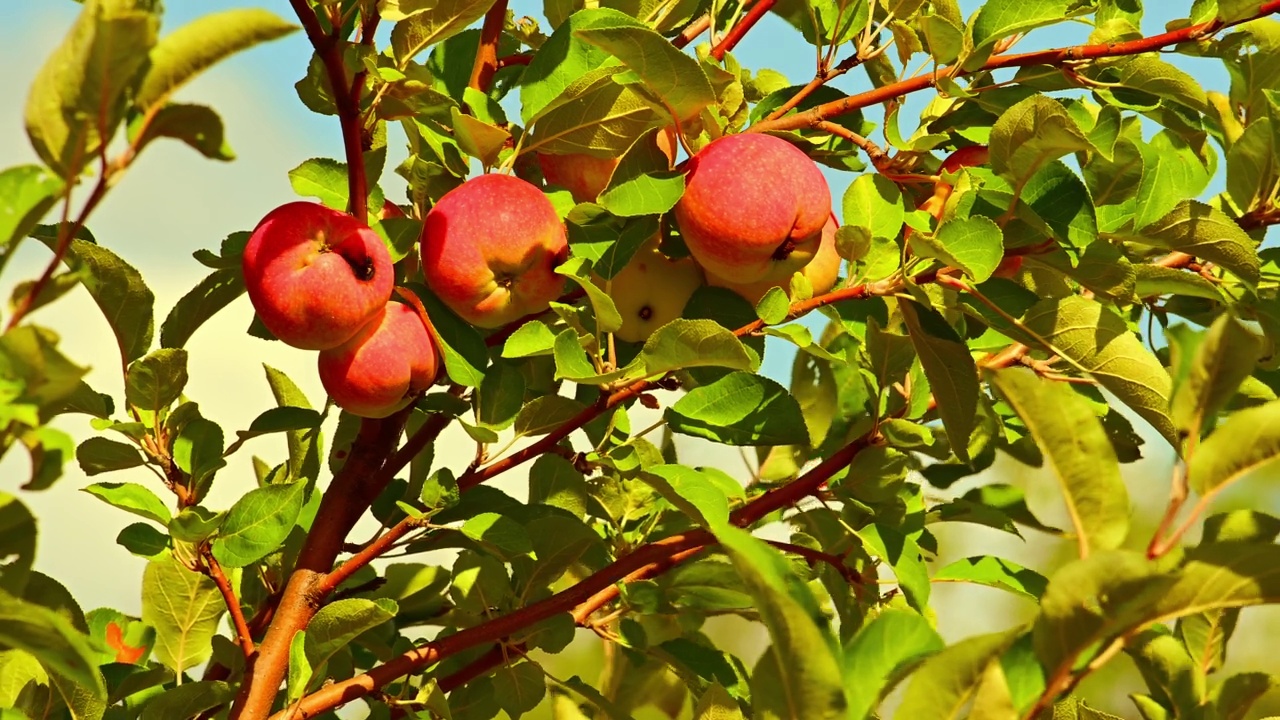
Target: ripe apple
753, 208
970, 156
379, 370
586, 176
490, 248
390, 210
651, 290
822, 271
315, 275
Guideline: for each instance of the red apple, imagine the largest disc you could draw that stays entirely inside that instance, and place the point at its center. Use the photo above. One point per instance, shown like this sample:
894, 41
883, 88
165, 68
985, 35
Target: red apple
822, 271
315, 275
490, 248
586, 176
651, 290
753, 208
380, 370
970, 156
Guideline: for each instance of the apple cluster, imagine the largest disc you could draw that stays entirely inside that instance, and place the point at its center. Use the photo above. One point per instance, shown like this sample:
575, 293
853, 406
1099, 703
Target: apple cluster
755, 211
322, 280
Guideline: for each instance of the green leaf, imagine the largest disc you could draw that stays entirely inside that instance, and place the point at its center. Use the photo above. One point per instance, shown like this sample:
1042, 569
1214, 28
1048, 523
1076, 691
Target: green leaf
258, 523
1171, 171
531, 339
1247, 440
184, 607
773, 306
544, 414
325, 179
1168, 668
642, 184
131, 497
115, 286
695, 343
193, 48
99, 455
1096, 339
201, 303
882, 653
27, 192
198, 451
1231, 11
999, 19
79, 96
17, 543
995, 572
500, 532
952, 373
1252, 164
692, 491
464, 352
155, 381
594, 115
1210, 368
741, 408
477, 138
53, 640
305, 445
1234, 697
196, 125
563, 58
188, 700
554, 481
948, 680
1207, 233
500, 396
1095, 598
874, 202
342, 621
674, 78
717, 704
809, 673
143, 540
519, 687
903, 554
421, 24
1037, 130
1080, 453
606, 314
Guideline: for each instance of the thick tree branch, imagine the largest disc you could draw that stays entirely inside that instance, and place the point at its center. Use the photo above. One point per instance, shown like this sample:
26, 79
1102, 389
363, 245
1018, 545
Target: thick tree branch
487, 53
739, 31
352, 491
346, 98
826, 111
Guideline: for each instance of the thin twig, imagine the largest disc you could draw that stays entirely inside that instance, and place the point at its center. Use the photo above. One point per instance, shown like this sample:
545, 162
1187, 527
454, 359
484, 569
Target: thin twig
739, 31
214, 571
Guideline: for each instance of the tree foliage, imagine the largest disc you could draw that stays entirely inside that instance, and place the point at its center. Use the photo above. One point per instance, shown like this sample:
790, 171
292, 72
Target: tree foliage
1074, 301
